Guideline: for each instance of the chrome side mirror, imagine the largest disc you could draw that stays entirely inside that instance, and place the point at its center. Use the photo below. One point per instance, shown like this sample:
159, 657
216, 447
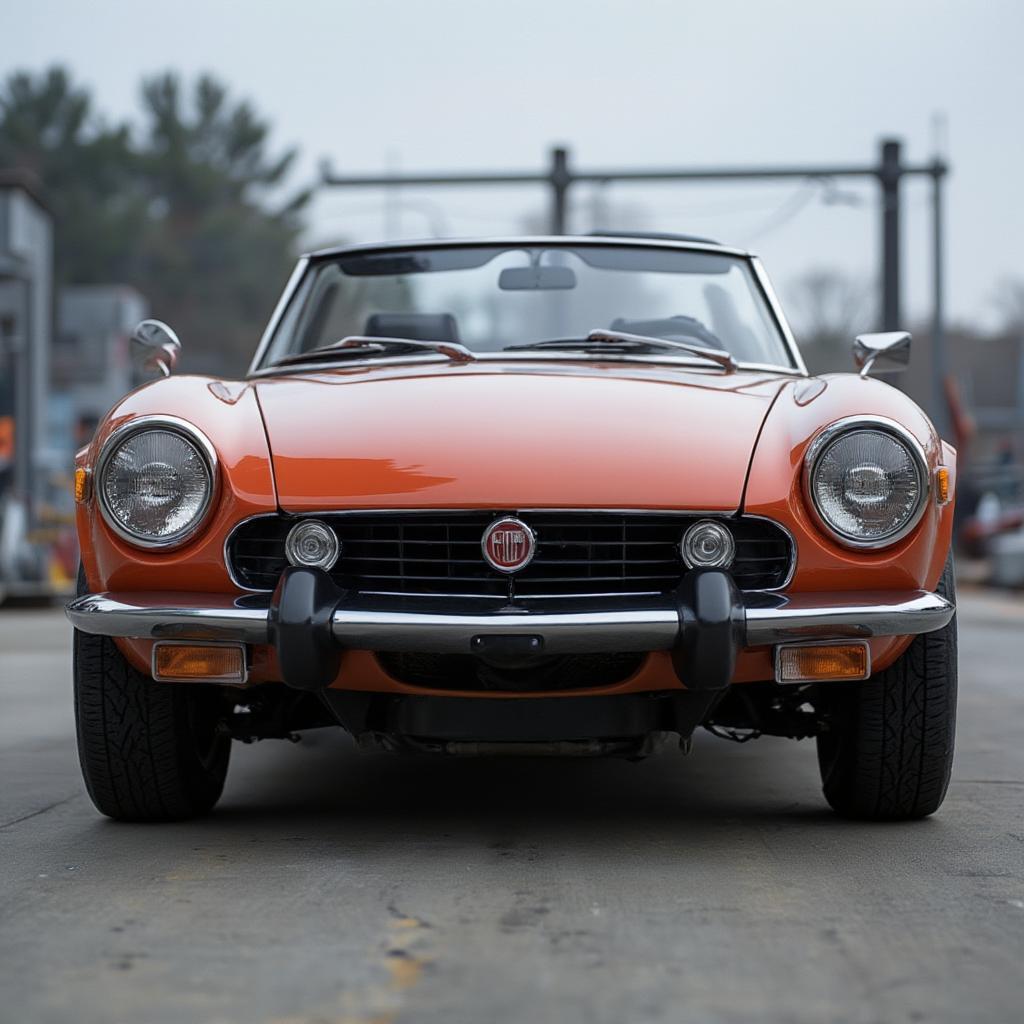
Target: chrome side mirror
158, 344
892, 347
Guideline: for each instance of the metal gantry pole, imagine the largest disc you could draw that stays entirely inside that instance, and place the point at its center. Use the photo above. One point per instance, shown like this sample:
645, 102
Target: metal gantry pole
888, 172
561, 178
940, 363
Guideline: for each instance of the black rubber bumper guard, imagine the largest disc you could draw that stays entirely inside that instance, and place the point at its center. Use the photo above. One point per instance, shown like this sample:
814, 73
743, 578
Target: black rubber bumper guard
708, 603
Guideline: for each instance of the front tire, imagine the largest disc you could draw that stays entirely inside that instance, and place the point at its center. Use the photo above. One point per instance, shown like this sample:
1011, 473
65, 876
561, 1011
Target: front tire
149, 751
888, 752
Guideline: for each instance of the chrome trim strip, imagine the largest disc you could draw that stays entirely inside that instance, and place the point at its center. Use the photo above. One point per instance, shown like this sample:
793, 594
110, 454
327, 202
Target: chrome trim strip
826, 436
540, 356
174, 425
227, 547
775, 618
788, 371
792, 547
171, 616
640, 626
291, 285
498, 510
653, 628
780, 317
499, 241
521, 595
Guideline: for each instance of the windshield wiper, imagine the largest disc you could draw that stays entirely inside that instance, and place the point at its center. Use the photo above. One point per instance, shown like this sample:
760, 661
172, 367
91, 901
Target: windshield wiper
715, 355
599, 338
360, 345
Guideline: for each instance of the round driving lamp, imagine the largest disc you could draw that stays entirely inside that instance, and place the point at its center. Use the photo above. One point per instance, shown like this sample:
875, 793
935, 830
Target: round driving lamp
313, 544
866, 482
708, 545
155, 482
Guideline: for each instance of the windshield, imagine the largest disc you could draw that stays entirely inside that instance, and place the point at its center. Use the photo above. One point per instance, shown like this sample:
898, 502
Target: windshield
494, 298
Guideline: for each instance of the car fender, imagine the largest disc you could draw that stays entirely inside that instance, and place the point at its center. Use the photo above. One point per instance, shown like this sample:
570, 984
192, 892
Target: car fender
775, 487
775, 490
228, 415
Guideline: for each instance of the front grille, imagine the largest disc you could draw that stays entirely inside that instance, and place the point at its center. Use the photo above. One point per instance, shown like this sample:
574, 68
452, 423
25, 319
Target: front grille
579, 554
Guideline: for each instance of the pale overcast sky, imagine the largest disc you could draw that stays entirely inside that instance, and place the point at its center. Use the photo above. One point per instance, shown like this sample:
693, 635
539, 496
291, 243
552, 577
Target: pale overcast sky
491, 84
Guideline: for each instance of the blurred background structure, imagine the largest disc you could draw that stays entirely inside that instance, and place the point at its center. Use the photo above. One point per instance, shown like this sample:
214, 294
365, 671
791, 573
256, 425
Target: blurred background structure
128, 189
97, 226
26, 326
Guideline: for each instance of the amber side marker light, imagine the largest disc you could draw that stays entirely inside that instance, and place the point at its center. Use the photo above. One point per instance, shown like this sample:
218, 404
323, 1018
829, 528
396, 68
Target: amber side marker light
942, 485
820, 663
175, 662
83, 484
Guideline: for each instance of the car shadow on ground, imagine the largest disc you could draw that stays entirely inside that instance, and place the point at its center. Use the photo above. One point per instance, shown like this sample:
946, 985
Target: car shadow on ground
324, 815
328, 776
326, 790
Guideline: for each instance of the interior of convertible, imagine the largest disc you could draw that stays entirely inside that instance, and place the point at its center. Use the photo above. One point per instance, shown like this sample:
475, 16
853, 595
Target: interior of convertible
491, 298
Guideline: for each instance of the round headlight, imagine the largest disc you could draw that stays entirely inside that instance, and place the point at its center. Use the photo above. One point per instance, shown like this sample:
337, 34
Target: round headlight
155, 483
312, 543
708, 545
867, 484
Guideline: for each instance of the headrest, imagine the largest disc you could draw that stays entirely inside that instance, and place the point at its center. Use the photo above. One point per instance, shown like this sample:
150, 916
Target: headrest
416, 326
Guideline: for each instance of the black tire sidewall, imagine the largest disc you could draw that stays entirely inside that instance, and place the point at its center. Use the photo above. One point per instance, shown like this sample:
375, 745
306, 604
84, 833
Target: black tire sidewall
148, 751
887, 753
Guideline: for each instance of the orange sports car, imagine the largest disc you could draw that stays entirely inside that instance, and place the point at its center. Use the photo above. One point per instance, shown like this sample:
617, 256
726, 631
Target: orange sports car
553, 495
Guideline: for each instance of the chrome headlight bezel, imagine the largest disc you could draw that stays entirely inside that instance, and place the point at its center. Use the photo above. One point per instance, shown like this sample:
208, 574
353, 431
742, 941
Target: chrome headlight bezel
824, 440
197, 439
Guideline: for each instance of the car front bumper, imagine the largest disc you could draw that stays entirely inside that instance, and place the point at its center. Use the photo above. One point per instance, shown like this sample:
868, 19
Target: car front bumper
704, 623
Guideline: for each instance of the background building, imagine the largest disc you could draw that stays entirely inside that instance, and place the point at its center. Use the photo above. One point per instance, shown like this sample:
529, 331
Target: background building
26, 318
92, 363
54, 388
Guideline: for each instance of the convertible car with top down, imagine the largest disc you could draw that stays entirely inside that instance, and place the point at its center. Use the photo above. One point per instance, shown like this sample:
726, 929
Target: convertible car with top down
543, 495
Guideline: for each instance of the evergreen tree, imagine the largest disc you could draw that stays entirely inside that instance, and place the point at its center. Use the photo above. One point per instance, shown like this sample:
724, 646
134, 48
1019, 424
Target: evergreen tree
189, 206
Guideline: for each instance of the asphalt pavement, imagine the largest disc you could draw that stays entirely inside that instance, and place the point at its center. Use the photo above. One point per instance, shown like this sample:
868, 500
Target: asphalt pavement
334, 887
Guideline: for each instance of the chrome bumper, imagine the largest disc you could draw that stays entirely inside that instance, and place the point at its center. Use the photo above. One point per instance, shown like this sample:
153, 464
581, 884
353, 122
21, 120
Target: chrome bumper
407, 625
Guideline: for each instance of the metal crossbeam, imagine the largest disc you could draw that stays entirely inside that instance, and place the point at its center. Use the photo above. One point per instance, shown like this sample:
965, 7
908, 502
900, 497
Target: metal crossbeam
888, 172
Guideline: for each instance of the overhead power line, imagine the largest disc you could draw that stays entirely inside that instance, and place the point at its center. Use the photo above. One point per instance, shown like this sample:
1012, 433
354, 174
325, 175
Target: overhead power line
560, 177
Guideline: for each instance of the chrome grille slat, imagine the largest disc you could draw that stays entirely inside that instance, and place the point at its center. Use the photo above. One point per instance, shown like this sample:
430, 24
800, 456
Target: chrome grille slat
599, 553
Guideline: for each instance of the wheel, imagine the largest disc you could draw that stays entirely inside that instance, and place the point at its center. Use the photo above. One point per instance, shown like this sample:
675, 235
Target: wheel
149, 751
888, 751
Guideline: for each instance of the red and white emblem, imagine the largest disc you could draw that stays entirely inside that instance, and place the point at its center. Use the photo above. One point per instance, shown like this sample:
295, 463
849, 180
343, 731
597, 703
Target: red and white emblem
508, 545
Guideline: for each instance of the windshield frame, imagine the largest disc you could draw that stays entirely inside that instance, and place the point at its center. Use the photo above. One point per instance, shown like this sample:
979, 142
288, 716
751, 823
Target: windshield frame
308, 263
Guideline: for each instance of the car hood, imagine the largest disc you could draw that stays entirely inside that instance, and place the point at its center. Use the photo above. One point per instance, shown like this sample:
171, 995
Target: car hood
507, 437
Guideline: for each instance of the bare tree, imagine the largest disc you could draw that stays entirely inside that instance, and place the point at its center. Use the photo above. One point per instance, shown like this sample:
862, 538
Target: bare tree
1008, 300
828, 307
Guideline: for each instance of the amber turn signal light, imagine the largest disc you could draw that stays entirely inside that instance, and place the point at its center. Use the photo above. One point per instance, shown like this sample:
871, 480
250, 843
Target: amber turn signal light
195, 663
942, 485
83, 484
810, 663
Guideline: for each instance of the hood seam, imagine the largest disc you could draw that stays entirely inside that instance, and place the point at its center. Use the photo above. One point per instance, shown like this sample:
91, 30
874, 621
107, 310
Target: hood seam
753, 451
270, 448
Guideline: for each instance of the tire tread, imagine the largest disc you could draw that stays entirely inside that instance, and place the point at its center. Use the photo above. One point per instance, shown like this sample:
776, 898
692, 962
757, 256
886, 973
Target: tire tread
889, 754
133, 740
